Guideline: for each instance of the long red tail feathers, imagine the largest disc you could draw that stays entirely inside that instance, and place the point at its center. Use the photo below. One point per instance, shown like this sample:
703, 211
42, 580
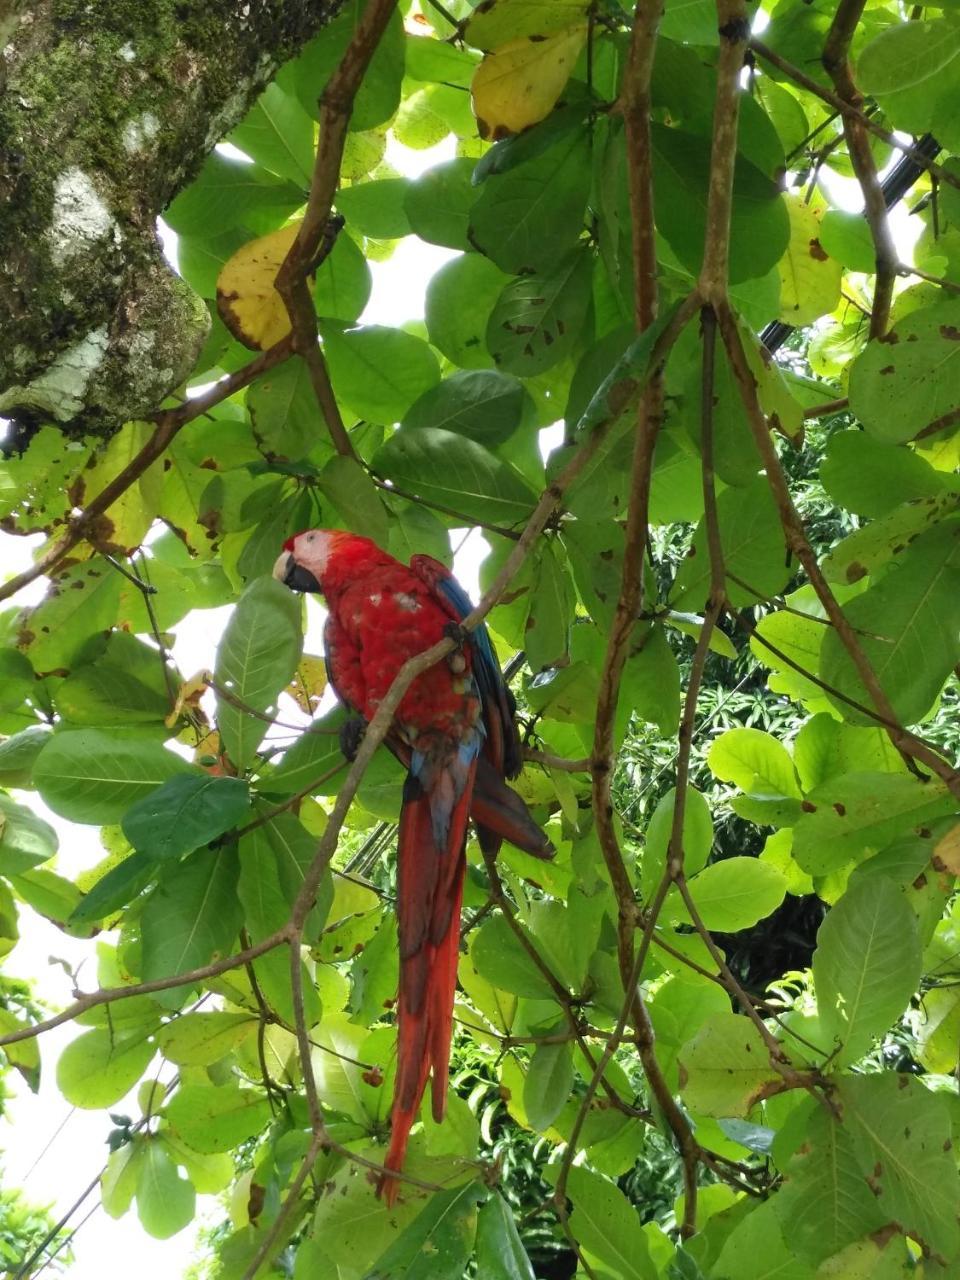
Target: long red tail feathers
429, 894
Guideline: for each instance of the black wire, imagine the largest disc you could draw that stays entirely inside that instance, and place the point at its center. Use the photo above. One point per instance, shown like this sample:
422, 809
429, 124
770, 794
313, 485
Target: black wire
894, 187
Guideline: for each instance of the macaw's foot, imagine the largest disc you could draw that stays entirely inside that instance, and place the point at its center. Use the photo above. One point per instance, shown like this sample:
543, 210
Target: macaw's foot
351, 735
456, 661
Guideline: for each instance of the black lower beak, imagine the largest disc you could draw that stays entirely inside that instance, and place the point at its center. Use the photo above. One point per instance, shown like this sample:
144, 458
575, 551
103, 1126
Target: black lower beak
299, 579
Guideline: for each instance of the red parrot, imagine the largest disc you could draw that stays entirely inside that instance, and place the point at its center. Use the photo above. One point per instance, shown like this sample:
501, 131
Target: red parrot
455, 732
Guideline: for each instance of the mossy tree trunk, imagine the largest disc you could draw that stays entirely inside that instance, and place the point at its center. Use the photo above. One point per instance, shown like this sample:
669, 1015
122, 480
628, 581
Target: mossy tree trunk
106, 110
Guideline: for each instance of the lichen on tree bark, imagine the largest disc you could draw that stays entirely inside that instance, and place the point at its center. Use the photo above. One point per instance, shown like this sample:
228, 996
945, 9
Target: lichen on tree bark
106, 111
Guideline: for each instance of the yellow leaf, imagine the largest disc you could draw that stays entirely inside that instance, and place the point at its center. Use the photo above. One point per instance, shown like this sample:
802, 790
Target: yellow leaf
946, 852
123, 526
494, 22
188, 696
518, 84
809, 278
248, 303
307, 686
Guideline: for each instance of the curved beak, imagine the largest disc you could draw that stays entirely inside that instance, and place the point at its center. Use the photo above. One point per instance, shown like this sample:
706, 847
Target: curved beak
294, 575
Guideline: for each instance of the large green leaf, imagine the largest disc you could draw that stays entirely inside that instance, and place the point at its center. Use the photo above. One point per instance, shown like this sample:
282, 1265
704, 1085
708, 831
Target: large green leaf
913, 71
197, 1039
909, 379
192, 916
908, 627
847, 815
732, 894
25, 839
438, 1243
379, 372
481, 404
759, 1248
725, 1067
548, 1084
211, 1118
500, 1251
869, 478
538, 319
527, 219
91, 775
606, 1224
755, 761
900, 1136
438, 203
456, 473
229, 193
166, 1201
99, 1067
256, 658
866, 965
460, 299
547, 628
277, 133
186, 812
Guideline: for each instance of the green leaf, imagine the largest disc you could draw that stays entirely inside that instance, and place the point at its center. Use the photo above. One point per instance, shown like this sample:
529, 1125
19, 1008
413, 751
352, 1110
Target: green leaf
548, 1084
870, 548
457, 473
754, 554
81, 601
25, 839
116, 889
16, 678
498, 957
379, 93
757, 1250
18, 753
438, 1243
119, 1180
338, 1068
908, 627
211, 1118
538, 319
500, 1251
725, 1068
283, 411
166, 1202
846, 237
458, 330
100, 1066
191, 918
760, 228
733, 894
605, 1223
342, 286
899, 1133
547, 629
754, 761
376, 208
480, 404
379, 372
866, 966
909, 380
354, 495
92, 775
825, 1202
438, 203
697, 838
230, 193
847, 815
529, 218
375, 974
185, 813
277, 133
913, 70
256, 658
197, 1039
870, 478
316, 752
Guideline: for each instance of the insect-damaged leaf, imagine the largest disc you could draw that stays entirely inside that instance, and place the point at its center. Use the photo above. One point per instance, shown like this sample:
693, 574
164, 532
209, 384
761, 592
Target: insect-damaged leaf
519, 82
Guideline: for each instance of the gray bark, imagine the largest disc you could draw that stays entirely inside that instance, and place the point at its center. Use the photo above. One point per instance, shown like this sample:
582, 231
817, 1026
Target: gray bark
107, 109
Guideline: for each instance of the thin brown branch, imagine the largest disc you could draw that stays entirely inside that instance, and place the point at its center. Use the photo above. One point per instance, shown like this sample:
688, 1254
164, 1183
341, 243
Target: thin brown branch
464, 519
336, 106
950, 285
550, 761
846, 109
275, 1230
824, 410
108, 995
836, 60
169, 422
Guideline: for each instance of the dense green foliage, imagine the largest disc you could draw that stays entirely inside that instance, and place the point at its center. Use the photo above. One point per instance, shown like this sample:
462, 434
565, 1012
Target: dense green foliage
797, 923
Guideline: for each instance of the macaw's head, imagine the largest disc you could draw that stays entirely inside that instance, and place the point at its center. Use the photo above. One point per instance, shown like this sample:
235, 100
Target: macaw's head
304, 558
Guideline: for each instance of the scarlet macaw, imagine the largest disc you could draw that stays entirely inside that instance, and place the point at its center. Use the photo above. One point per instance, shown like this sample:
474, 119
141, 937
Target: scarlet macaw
455, 731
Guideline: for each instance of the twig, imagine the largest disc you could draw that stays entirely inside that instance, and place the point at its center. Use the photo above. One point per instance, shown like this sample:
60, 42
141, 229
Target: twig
551, 761
824, 410
847, 109
286, 1208
836, 60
